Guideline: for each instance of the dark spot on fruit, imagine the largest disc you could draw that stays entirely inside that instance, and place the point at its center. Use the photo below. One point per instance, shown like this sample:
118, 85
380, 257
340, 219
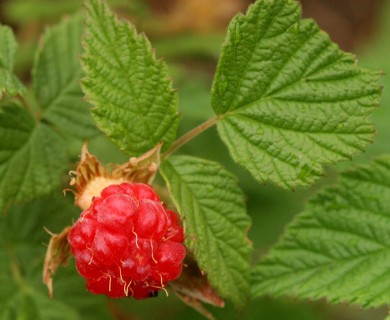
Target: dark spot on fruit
153, 294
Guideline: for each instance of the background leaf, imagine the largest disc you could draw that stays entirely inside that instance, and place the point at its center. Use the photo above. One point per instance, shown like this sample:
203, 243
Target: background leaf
30, 304
31, 156
9, 83
56, 79
33, 152
22, 294
215, 222
134, 101
338, 247
287, 98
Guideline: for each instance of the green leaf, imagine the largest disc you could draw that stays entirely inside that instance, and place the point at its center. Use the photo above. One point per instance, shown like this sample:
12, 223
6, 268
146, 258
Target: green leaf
22, 294
215, 221
9, 83
56, 79
287, 98
31, 156
134, 101
338, 248
31, 304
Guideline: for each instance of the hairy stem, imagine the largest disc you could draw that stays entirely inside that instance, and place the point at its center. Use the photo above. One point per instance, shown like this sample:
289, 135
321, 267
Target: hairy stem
189, 136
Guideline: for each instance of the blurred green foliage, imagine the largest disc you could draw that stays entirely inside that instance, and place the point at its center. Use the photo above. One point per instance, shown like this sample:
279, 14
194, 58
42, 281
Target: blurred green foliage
375, 54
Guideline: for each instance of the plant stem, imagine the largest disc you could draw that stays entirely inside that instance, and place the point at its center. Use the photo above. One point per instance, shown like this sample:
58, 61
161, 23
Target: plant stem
189, 136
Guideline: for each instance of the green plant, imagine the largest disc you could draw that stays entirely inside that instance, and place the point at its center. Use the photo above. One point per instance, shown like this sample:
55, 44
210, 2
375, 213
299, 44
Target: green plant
286, 101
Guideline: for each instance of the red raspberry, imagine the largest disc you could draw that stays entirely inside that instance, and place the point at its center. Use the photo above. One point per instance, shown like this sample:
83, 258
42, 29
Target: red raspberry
126, 243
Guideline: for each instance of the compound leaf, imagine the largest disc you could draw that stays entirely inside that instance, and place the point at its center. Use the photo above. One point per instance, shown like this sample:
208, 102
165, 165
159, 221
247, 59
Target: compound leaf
338, 248
287, 98
56, 79
134, 101
215, 221
9, 83
31, 156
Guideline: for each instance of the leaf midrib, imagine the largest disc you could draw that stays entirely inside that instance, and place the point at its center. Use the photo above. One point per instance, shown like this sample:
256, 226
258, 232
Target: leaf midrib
244, 70
287, 274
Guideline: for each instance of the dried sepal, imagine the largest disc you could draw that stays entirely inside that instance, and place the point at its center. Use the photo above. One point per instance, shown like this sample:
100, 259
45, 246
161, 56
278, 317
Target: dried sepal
88, 169
194, 289
140, 169
57, 254
91, 177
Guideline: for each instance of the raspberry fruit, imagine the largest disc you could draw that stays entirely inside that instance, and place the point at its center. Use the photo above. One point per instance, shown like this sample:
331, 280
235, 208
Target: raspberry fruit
127, 243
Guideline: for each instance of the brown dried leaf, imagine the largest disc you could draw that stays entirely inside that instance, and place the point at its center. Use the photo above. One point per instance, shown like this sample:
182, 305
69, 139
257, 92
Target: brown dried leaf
57, 254
194, 289
88, 169
141, 169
